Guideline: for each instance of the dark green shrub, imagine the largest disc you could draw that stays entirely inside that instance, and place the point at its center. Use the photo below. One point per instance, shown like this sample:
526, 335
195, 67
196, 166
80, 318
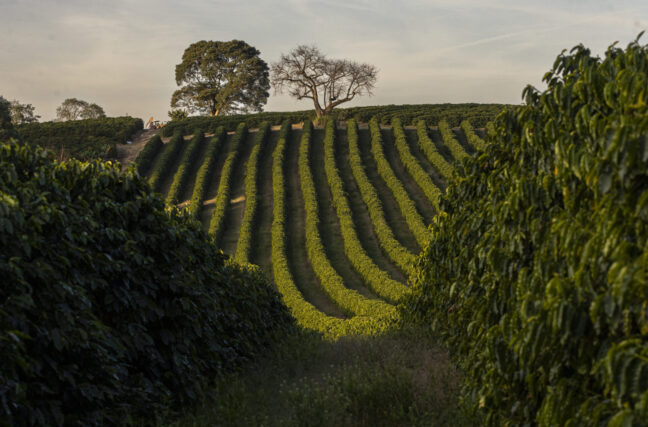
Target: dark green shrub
536, 273
81, 139
146, 157
111, 306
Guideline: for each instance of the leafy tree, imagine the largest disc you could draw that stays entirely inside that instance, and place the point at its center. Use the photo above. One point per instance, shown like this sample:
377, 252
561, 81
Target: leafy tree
75, 109
307, 73
92, 111
22, 113
6, 127
221, 78
178, 114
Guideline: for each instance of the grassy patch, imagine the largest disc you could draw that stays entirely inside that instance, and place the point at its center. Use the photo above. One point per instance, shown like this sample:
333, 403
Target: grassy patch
400, 378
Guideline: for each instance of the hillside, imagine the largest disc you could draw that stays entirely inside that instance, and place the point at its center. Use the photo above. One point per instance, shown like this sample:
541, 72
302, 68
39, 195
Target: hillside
336, 215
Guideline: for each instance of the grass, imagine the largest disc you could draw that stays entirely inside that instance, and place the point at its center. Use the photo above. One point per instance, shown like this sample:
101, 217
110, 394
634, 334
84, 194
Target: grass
329, 225
363, 224
423, 204
261, 250
236, 207
402, 378
297, 255
393, 214
212, 189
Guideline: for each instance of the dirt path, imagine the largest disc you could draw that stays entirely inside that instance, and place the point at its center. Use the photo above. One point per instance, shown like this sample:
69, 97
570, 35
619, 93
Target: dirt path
261, 252
127, 153
413, 143
212, 189
422, 203
297, 255
361, 219
329, 225
236, 208
393, 214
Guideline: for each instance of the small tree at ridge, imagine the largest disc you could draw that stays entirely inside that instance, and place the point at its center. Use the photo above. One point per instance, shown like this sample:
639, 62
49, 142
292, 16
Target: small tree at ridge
22, 113
307, 73
76, 109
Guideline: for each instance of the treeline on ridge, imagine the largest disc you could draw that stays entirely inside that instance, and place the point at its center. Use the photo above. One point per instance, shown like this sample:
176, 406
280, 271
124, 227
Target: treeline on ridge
454, 114
81, 139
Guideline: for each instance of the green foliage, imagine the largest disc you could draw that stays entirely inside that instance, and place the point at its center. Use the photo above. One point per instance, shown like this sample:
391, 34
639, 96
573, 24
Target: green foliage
182, 174
205, 172
536, 274
396, 252
245, 236
406, 205
374, 277
22, 113
429, 148
423, 180
164, 162
113, 307
478, 114
81, 139
146, 157
224, 190
7, 129
177, 114
221, 78
472, 137
451, 142
306, 314
349, 300
76, 109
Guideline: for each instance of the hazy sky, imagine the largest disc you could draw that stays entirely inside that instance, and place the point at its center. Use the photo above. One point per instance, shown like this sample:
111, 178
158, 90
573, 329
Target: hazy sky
122, 54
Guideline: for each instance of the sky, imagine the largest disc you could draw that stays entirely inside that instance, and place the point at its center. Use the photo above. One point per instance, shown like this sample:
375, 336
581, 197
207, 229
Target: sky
122, 54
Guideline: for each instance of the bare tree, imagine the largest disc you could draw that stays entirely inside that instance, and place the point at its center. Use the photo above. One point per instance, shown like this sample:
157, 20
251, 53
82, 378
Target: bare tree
306, 73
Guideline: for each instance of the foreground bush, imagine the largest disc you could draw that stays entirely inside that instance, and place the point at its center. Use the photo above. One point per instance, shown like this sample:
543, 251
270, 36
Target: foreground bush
536, 273
112, 307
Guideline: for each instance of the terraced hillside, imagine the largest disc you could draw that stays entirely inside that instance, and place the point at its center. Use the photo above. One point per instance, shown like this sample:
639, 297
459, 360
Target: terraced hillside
335, 215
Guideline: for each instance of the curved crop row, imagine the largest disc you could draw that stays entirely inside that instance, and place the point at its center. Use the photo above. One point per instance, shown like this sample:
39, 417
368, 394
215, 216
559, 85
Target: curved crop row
472, 137
223, 196
348, 300
377, 279
432, 192
396, 252
205, 172
306, 314
406, 205
145, 157
451, 142
431, 152
181, 175
245, 236
164, 163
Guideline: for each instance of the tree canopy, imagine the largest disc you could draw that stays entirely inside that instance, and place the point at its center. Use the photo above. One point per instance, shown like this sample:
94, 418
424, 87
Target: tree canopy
6, 126
221, 78
307, 73
76, 109
22, 113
